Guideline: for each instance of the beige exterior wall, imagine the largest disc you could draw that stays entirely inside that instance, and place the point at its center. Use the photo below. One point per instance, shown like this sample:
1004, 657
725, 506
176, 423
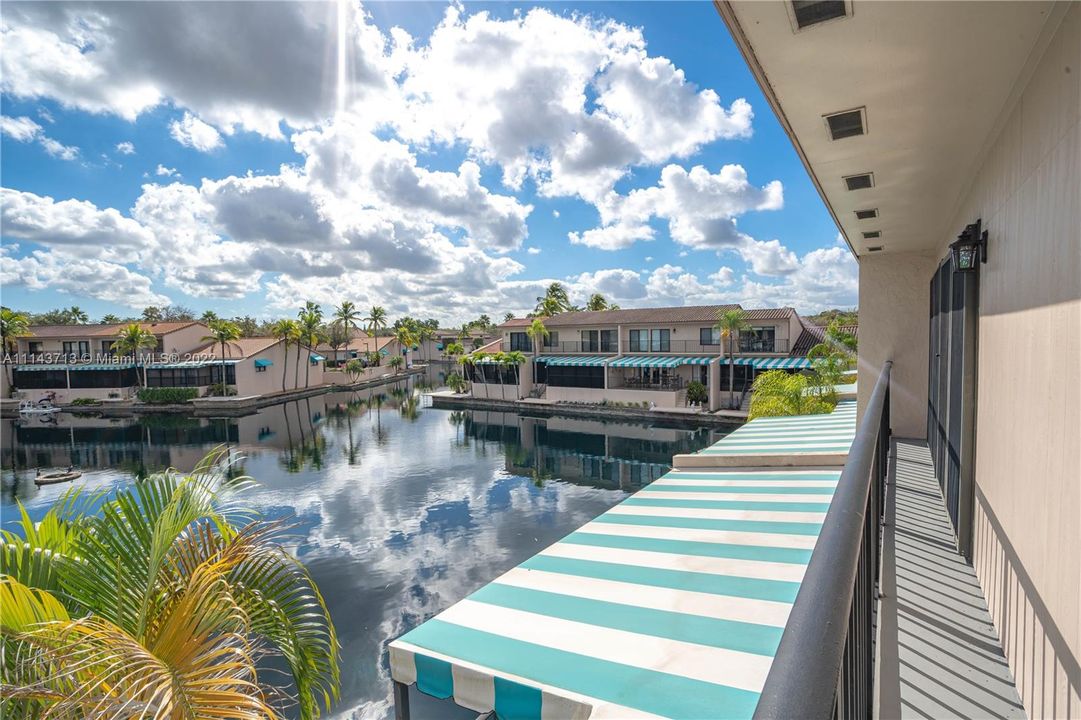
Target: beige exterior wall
894, 309
1028, 426
660, 398
185, 339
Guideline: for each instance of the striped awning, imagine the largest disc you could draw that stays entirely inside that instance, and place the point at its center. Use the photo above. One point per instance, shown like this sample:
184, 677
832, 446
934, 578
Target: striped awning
576, 360
775, 363
263, 362
658, 361
75, 366
671, 604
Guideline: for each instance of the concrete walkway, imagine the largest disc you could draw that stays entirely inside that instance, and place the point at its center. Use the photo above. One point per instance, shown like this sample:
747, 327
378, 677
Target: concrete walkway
941, 656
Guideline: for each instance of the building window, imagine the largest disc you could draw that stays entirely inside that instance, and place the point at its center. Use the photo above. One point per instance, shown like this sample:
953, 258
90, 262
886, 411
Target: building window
260, 368
639, 340
576, 376
758, 339
552, 340
709, 336
660, 340
35, 348
609, 341
590, 340
519, 341
107, 346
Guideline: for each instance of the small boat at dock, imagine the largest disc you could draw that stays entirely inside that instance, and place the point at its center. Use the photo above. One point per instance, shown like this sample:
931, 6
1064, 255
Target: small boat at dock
52, 478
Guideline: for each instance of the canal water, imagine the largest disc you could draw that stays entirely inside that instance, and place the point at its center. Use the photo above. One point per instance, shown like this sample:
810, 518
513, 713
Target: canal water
402, 509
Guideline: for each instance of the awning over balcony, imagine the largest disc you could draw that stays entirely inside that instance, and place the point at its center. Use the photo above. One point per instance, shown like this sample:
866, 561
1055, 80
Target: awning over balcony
658, 361
788, 363
575, 360
75, 366
188, 364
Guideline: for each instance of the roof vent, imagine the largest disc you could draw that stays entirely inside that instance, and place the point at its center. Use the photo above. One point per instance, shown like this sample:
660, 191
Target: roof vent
872, 235
875, 248
812, 12
849, 123
867, 214
860, 182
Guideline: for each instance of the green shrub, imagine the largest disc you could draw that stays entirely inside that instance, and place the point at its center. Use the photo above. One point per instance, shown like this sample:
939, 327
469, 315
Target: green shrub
167, 395
696, 393
219, 390
86, 401
776, 393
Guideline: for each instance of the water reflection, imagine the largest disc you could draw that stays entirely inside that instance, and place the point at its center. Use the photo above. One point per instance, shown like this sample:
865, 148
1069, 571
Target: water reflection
401, 509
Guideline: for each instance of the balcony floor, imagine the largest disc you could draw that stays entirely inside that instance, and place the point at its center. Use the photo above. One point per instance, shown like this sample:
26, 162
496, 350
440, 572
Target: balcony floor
941, 656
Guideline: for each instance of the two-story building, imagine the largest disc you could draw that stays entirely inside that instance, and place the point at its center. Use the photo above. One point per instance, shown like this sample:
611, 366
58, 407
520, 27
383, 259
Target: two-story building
647, 356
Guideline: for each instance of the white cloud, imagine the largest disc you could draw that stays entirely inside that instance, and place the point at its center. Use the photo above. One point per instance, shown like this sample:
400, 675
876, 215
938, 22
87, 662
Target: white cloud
55, 272
125, 148
769, 258
162, 171
555, 213
23, 129
19, 129
192, 132
533, 250
615, 284
723, 276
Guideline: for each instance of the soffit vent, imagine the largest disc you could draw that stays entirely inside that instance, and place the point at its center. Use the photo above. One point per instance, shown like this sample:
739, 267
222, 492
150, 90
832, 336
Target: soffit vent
867, 214
875, 248
849, 123
812, 12
872, 235
860, 182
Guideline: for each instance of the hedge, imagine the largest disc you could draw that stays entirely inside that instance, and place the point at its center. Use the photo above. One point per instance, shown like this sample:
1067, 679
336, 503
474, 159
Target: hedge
167, 395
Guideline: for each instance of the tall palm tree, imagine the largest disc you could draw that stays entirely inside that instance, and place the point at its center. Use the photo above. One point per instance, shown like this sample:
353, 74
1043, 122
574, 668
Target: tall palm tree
731, 323
12, 325
132, 339
596, 302
406, 335
555, 298
396, 362
155, 601
537, 332
516, 358
347, 316
223, 332
288, 331
377, 318
311, 333
425, 332
77, 316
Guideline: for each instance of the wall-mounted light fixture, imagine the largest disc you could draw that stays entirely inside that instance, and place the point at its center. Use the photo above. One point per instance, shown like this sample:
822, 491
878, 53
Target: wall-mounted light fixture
970, 248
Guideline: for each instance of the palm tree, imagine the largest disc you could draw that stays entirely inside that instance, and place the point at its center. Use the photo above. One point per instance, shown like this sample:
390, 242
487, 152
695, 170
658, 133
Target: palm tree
110, 319
731, 323
425, 332
289, 332
223, 332
406, 335
554, 301
12, 325
347, 316
537, 332
377, 318
208, 317
777, 393
516, 359
311, 333
77, 316
396, 362
158, 602
131, 340
596, 302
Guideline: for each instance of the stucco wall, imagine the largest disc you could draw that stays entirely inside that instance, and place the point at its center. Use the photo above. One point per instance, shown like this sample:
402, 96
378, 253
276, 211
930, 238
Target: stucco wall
1028, 425
660, 398
894, 310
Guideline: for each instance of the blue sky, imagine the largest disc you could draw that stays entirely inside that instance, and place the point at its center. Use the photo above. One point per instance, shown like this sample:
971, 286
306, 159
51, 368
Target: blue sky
494, 148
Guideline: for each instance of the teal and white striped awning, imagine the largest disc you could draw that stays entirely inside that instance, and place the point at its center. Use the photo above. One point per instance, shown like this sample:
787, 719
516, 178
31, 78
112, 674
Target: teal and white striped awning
774, 363
575, 360
671, 604
658, 361
75, 366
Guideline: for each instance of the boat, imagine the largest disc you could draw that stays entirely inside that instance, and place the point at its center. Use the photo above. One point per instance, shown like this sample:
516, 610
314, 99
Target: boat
28, 408
56, 477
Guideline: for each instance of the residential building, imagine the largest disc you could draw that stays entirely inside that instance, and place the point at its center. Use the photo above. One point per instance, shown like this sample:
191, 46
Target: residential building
926, 125
648, 355
64, 362
359, 347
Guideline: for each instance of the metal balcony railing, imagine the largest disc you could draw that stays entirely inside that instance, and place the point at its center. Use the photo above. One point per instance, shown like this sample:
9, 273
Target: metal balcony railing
684, 346
825, 664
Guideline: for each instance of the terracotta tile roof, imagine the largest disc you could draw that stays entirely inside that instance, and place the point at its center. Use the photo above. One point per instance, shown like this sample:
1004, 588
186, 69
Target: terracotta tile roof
682, 313
237, 349
105, 330
492, 347
814, 334
769, 313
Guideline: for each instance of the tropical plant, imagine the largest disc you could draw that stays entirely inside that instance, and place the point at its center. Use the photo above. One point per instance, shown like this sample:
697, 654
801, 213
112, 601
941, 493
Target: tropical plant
131, 340
310, 320
554, 301
516, 359
468, 366
696, 393
166, 395
159, 601
454, 350
779, 393
731, 323
13, 325
425, 332
355, 368
377, 318
110, 319
508, 316
396, 362
598, 302
77, 315
208, 317
537, 332
288, 331
223, 332
406, 335
152, 313
457, 383
336, 337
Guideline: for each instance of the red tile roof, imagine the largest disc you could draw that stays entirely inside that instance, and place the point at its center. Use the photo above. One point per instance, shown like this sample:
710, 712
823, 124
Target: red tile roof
105, 330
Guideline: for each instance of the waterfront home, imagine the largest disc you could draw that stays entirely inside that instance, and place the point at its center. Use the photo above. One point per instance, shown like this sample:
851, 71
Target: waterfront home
916, 555
62, 363
359, 347
435, 348
646, 356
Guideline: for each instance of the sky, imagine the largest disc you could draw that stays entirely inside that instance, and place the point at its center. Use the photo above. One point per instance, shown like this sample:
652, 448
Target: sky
440, 160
